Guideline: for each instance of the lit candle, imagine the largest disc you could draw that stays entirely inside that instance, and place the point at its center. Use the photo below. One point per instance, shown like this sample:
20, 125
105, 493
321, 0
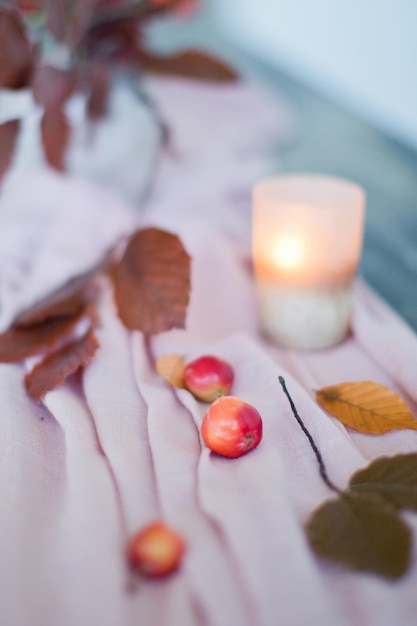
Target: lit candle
307, 240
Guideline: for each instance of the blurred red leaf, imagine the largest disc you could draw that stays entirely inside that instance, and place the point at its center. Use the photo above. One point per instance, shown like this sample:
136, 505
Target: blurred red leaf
56, 367
64, 302
186, 7
57, 13
181, 7
82, 15
16, 53
8, 137
190, 64
112, 41
28, 7
17, 344
99, 91
152, 282
52, 87
55, 130
113, 13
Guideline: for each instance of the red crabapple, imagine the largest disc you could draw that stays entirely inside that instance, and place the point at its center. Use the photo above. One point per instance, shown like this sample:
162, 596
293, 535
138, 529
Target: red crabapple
156, 550
208, 378
231, 427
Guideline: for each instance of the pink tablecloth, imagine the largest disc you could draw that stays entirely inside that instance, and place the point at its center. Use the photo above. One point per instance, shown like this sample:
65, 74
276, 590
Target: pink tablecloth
81, 473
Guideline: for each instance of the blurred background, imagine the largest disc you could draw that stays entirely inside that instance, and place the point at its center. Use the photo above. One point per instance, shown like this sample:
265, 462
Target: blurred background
347, 73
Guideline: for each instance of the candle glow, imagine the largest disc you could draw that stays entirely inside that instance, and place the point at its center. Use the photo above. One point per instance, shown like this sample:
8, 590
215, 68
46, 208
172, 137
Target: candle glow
307, 237
288, 251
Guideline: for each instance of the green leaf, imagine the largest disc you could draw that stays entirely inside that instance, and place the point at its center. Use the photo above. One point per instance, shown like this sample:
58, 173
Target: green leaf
362, 532
393, 478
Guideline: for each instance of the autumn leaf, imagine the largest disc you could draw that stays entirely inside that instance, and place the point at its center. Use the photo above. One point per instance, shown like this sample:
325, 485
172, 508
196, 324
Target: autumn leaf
8, 137
17, 55
56, 367
17, 344
152, 282
190, 64
362, 532
98, 98
82, 15
393, 478
65, 301
55, 130
57, 13
52, 87
367, 407
171, 367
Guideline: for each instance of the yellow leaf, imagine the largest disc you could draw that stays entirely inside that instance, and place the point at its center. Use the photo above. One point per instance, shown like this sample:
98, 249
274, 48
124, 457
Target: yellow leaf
367, 407
171, 367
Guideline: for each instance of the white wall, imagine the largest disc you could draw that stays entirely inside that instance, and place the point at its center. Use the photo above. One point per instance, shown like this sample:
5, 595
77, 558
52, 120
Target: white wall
361, 52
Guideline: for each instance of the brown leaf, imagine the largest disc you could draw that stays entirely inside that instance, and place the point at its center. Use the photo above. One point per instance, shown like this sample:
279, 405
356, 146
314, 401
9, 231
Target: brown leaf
82, 16
99, 91
114, 13
393, 478
362, 532
57, 13
55, 131
171, 367
8, 137
16, 53
367, 407
152, 282
52, 87
17, 344
56, 367
63, 302
191, 64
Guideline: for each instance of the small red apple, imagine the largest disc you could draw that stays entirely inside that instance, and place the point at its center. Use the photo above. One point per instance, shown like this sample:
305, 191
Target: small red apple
231, 427
208, 378
156, 550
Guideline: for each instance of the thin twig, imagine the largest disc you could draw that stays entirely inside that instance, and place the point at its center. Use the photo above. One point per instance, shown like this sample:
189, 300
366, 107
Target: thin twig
322, 467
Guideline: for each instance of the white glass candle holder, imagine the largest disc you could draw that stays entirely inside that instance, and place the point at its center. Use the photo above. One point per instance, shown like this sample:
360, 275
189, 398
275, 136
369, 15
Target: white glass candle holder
307, 241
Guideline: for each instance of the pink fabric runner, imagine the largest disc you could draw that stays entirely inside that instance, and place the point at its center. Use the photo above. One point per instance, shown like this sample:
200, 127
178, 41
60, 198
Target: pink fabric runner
81, 473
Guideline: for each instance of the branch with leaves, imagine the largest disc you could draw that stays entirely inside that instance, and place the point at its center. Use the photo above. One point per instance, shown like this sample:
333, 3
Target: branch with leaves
100, 37
151, 286
362, 528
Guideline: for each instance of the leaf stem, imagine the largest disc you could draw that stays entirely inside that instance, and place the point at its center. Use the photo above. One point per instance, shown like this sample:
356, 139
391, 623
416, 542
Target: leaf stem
322, 467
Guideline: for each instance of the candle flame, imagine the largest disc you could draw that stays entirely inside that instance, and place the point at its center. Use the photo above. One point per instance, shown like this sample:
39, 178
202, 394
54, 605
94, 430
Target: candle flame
288, 251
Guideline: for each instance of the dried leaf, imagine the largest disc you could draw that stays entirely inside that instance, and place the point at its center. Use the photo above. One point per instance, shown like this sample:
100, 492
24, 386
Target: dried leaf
16, 55
171, 367
99, 91
190, 64
56, 367
17, 344
82, 16
52, 87
362, 532
367, 407
63, 302
112, 42
28, 7
57, 13
8, 137
111, 14
393, 478
55, 131
152, 282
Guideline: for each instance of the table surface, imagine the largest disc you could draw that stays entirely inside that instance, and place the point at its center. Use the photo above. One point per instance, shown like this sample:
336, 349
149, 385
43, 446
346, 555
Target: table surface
81, 473
334, 140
